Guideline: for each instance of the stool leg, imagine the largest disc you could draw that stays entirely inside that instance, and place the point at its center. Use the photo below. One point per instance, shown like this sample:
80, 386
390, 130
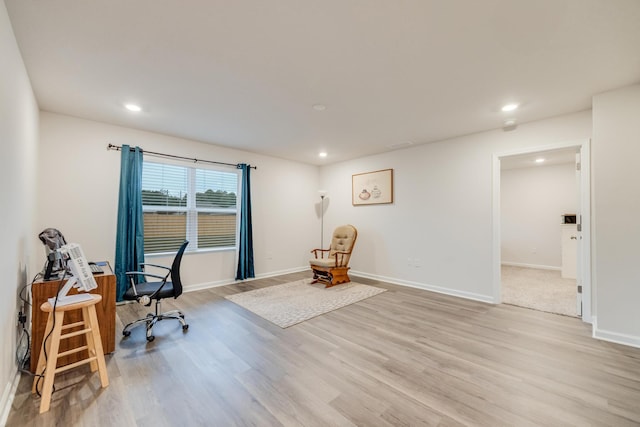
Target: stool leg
97, 345
52, 361
90, 343
41, 360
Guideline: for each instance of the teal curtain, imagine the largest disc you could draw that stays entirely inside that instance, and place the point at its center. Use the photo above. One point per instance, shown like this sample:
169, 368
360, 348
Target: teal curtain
245, 258
130, 231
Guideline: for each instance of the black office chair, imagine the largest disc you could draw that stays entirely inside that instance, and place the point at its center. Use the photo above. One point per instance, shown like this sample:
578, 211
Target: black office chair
146, 292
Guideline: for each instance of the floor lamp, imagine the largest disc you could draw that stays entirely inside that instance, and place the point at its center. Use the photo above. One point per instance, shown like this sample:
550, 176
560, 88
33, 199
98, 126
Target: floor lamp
323, 194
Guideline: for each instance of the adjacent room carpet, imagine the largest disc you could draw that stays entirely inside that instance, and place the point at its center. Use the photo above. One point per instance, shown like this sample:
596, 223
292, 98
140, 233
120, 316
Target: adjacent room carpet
543, 290
292, 303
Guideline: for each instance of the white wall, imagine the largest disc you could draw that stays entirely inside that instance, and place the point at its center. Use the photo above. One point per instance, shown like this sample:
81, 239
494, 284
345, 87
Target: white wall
532, 202
616, 206
18, 138
78, 194
442, 215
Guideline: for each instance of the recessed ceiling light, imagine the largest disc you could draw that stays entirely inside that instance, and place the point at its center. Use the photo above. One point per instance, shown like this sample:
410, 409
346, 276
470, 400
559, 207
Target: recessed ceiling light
322, 154
510, 122
509, 107
319, 107
133, 107
539, 160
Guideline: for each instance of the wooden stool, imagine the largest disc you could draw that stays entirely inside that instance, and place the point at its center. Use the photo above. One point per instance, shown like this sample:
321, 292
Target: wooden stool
94, 346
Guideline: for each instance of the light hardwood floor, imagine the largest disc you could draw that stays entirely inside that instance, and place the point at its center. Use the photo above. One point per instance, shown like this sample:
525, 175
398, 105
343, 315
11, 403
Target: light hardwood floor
402, 358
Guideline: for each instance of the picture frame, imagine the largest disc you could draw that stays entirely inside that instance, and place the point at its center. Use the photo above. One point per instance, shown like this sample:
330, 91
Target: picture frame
372, 188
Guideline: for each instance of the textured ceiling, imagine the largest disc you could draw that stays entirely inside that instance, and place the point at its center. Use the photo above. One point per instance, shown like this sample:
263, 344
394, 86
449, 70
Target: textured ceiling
246, 73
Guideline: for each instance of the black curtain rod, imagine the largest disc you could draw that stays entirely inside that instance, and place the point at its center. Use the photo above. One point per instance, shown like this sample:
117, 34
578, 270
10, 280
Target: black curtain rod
119, 148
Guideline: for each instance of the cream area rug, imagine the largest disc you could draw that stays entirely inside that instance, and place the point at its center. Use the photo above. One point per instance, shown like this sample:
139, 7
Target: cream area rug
543, 290
292, 303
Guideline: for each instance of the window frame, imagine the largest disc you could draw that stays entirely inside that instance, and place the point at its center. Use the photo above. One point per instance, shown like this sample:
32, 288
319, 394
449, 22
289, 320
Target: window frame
191, 210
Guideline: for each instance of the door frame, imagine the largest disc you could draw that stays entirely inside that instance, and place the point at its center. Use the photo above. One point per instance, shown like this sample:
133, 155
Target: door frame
585, 211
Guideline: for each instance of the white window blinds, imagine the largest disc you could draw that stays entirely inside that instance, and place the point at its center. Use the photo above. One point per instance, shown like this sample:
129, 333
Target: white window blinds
181, 203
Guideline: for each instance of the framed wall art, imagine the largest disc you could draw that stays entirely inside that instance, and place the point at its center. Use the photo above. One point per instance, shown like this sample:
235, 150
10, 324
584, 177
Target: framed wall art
372, 188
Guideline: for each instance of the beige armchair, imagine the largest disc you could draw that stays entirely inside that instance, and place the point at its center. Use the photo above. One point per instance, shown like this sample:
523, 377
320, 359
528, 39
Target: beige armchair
330, 266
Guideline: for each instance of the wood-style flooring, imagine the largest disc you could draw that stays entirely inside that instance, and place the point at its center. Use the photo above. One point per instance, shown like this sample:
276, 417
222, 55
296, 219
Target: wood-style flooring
406, 357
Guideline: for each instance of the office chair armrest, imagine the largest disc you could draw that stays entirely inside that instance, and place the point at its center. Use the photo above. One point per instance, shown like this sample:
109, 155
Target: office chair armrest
144, 264
130, 274
153, 295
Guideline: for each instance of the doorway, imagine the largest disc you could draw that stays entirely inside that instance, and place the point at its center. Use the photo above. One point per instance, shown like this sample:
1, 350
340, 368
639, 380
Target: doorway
542, 202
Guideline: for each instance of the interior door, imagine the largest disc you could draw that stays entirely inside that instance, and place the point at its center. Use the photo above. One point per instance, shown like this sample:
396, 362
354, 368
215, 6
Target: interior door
579, 242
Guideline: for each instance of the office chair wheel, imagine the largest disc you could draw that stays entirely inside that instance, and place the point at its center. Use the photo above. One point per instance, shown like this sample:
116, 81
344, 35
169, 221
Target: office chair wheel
126, 333
151, 338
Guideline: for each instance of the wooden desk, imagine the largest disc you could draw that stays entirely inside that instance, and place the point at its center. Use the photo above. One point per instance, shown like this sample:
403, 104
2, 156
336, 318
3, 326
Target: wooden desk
106, 311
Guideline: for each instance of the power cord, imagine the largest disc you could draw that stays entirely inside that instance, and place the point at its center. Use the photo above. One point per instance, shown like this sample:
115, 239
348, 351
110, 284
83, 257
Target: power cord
25, 287
44, 342
23, 359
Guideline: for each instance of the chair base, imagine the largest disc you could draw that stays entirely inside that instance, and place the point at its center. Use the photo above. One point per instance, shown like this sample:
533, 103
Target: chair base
331, 276
151, 319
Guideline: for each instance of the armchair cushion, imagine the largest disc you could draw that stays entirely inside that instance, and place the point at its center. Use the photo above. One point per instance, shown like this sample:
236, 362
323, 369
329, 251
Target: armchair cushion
323, 262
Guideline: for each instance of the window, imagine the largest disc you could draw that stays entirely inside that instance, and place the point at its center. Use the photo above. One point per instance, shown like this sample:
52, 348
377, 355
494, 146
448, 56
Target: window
181, 203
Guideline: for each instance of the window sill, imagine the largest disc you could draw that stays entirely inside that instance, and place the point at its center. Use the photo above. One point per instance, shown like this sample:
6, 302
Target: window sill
197, 251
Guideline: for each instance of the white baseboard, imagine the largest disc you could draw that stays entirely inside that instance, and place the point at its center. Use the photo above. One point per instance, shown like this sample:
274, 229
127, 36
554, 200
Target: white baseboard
207, 285
540, 267
447, 291
424, 286
615, 337
7, 397
225, 282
